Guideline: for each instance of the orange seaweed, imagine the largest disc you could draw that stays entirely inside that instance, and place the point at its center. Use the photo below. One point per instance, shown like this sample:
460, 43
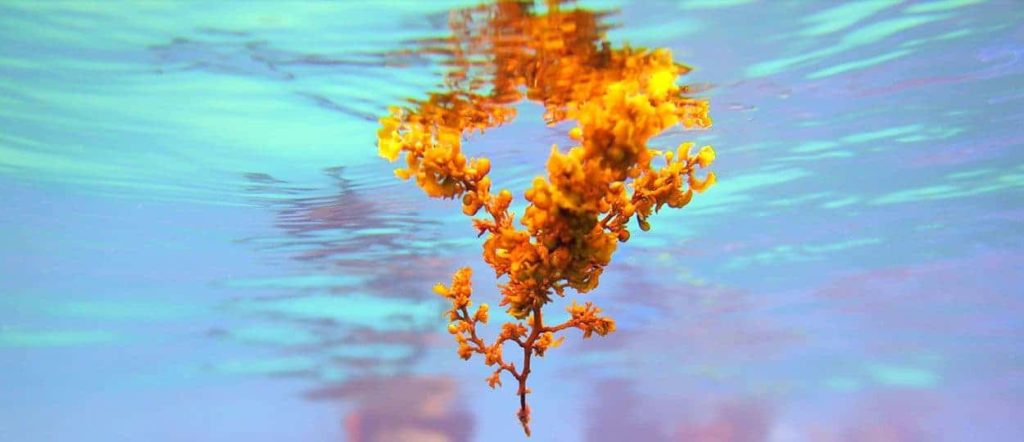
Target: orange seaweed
579, 212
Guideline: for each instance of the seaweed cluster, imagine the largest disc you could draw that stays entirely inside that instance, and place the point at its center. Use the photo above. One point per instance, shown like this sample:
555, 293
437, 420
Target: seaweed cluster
578, 213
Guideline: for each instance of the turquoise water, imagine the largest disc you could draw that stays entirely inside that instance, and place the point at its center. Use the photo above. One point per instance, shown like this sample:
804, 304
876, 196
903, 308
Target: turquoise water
199, 241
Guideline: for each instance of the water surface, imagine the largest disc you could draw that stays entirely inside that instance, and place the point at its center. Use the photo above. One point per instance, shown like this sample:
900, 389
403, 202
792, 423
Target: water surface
200, 243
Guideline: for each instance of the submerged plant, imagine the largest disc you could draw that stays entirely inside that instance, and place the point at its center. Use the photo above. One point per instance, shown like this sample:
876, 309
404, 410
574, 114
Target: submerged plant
577, 213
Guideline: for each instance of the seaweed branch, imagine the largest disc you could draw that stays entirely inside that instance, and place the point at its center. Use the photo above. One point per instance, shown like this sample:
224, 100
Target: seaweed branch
578, 212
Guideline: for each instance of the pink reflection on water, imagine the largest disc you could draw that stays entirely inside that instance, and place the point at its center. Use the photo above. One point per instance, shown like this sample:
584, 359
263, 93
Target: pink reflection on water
403, 408
736, 421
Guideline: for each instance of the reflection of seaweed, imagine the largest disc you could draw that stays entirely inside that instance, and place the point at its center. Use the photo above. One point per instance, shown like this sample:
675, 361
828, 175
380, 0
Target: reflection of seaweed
345, 231
620, 99
344, 234
698, 323
241, 54
231, 57
619, 412
347, 234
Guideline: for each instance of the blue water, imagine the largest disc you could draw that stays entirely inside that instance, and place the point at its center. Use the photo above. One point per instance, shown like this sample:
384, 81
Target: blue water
199, 242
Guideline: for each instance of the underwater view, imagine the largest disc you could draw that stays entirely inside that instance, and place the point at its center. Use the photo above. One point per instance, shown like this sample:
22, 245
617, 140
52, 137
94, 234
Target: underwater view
609, 220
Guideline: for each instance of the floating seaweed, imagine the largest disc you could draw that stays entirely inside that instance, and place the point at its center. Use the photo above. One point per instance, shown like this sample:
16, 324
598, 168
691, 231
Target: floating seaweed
619, 98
